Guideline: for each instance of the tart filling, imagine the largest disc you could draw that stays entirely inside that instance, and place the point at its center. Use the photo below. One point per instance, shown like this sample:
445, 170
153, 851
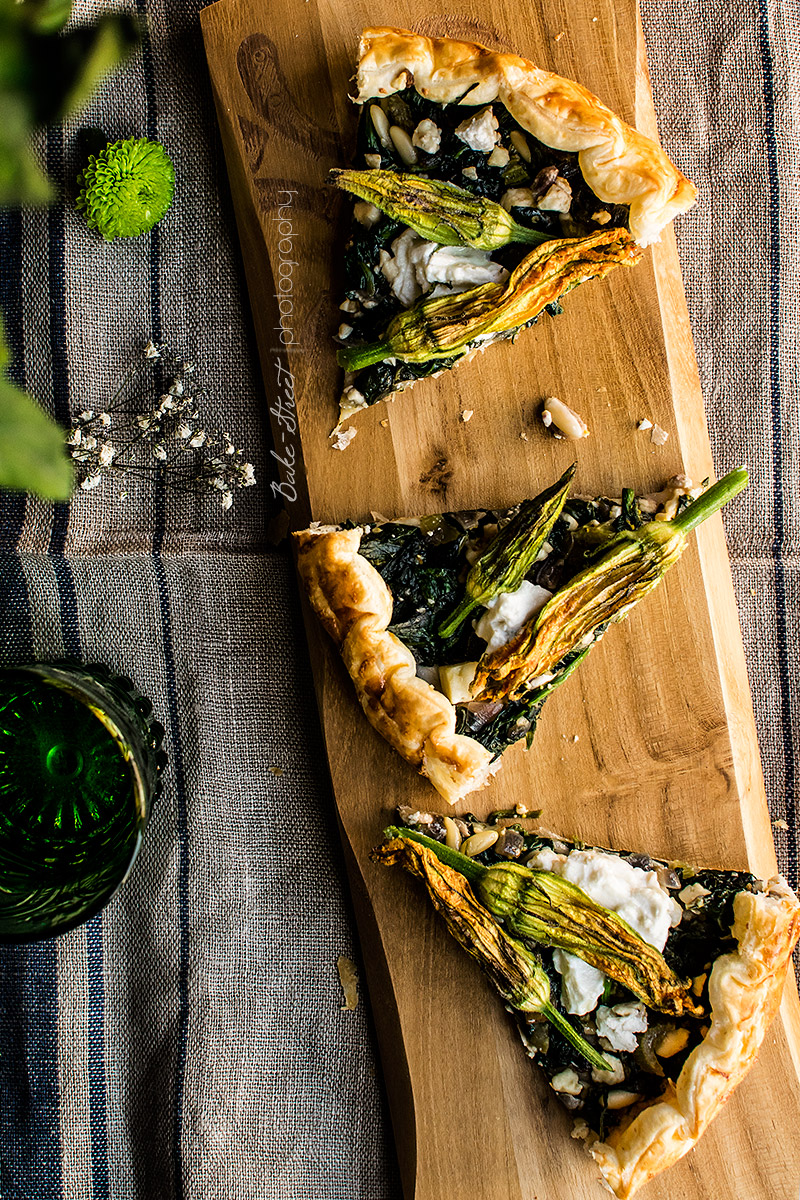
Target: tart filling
499, 156
456, 627
726, 935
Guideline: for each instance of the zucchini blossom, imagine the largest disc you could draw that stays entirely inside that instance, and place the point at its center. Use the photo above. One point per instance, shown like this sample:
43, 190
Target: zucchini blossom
540, 906
437, 211
514, 970
619, 575
510, 555
126, 188
445, 327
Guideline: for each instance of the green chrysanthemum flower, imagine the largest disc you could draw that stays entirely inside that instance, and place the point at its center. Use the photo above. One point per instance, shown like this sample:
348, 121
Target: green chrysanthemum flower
126, 188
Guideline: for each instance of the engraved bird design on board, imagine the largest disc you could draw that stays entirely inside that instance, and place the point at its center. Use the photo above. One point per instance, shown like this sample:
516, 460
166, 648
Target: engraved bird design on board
271, 97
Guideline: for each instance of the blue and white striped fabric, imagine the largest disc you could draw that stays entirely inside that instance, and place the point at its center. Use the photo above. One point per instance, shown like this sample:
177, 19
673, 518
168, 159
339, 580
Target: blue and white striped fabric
188, 1043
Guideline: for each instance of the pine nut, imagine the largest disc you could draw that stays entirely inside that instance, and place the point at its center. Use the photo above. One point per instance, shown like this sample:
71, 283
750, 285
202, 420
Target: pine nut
403, 145
380, 122
453, 838
520, 144
479, 842
565, 419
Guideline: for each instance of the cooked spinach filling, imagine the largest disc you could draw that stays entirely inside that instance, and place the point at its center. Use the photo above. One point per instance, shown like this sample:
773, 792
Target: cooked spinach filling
425, 567
702, 935
373, 303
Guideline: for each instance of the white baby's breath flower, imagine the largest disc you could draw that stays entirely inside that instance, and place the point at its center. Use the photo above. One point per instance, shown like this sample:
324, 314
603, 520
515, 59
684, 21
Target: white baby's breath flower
183, 454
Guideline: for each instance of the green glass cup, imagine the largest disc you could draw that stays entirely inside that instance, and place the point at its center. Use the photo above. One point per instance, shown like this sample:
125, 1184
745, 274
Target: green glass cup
80, 766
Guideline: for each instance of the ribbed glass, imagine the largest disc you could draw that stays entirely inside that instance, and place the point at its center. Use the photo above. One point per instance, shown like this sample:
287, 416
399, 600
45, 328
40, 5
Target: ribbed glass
80, 759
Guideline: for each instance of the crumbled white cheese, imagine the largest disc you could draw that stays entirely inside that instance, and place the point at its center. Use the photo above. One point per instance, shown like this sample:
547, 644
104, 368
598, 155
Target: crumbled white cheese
508, 612
344, 330
557, 198
615, 1075
480, 131
427, 136
352, 399
499, 157
633, 893
415, 266
658, 436
373, 161
619, 1025
692, 893
644, 424
517, 198
602, 216
467, 414
470, 173
341, 438
567, 1082
455, 681
581, 984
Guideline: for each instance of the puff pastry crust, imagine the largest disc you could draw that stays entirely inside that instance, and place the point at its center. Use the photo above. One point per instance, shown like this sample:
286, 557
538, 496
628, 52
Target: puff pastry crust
354, 605
744, 990
620, 165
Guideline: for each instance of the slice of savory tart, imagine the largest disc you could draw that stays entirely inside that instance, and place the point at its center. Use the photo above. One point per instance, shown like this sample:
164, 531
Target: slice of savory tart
456, 627
641, 988
484, 190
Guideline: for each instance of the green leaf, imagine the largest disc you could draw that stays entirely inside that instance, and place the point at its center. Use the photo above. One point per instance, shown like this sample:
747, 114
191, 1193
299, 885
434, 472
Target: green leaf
45, 16
33, 457
84, 57
21, 178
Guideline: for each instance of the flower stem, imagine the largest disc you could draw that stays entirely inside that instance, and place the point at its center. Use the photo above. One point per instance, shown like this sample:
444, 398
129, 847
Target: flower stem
468, 867
711, 500
575, 1040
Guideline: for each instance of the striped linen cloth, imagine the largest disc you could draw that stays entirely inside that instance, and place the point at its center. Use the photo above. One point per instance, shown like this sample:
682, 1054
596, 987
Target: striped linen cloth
189, 1042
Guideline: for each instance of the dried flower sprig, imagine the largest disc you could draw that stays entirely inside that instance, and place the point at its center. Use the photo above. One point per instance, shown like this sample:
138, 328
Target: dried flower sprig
168, 440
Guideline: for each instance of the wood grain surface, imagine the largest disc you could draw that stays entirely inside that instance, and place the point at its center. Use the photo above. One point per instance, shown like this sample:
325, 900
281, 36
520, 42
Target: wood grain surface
651, 745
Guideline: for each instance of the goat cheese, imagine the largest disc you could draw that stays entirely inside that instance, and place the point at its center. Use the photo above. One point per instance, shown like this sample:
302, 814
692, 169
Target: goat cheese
455, 681
619, 1025
633, 893
567, 1082
479, 132
581, 984
508, 612
416, 266
427, 136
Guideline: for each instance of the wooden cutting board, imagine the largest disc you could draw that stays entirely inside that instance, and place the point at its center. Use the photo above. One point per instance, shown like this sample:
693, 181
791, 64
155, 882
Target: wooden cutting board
651, 745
